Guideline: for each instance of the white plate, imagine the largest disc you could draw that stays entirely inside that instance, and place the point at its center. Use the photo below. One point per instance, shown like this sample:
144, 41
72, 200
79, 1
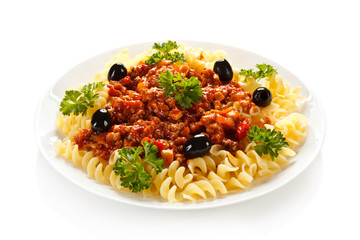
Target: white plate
46, 134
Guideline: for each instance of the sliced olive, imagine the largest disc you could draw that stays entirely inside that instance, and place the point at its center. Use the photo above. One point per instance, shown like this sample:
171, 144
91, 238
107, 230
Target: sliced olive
117, 72
197, 146
100, 121
224, 70
262, 97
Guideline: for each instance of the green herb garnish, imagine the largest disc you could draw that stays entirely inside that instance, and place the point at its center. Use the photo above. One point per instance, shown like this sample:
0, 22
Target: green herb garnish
77, 102
165, 51
267, 141
265, 70
186, 91
131, 170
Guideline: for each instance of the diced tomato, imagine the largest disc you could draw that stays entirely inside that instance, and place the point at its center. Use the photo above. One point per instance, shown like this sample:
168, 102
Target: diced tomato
242, 129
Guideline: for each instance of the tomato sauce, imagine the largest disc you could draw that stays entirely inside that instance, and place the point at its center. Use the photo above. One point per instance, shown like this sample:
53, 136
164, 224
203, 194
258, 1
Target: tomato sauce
140, 111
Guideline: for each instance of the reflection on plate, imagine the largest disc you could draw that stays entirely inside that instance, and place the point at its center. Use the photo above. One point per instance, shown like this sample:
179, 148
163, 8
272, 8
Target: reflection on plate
46, 133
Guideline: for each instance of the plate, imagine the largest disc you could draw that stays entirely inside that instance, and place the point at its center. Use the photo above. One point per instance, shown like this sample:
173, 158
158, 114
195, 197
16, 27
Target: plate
46, 133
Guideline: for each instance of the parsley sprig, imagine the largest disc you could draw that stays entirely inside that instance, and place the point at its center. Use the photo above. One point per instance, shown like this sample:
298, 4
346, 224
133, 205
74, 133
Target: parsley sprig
265, 70
77, 102
185, 91
267, 141
131, 170
165, 51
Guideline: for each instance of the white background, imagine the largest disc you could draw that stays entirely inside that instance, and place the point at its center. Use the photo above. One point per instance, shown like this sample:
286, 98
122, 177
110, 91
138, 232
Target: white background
316, 40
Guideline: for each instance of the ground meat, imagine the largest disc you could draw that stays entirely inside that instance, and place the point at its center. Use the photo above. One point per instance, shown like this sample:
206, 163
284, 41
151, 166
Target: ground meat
140, 111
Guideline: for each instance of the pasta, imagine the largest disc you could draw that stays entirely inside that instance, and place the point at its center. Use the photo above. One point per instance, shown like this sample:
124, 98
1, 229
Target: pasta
219, 172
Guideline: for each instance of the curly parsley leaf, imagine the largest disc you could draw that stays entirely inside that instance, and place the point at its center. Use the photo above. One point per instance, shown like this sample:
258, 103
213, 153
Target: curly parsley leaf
165, 51
267, 141
185, 91
265, 70
166, 80
131, 171
190, 92
151, 156
77, 102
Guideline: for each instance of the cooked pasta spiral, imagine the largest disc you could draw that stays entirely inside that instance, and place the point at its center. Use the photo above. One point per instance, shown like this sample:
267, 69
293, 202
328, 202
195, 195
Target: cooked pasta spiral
200, 59
85, 160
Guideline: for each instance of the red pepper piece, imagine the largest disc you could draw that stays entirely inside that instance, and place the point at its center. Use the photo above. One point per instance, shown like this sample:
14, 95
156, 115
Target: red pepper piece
158, 144
242, 129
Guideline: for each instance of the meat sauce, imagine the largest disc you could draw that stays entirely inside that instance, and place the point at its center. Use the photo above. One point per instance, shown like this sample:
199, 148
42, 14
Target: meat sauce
140, 111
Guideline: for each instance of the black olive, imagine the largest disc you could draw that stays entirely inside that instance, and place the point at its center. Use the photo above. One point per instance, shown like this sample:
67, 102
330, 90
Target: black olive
262, 97
117, 72
100, 121
224, 70
197, 146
